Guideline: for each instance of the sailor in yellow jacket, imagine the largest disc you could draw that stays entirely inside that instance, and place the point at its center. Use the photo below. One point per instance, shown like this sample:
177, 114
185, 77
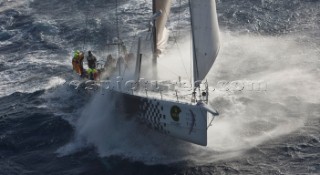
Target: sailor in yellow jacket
77, 62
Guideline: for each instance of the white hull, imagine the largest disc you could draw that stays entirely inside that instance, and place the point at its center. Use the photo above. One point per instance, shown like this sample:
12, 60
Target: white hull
180, 120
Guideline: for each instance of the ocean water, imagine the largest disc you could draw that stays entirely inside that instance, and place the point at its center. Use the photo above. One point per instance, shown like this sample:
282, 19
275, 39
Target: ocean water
49, 127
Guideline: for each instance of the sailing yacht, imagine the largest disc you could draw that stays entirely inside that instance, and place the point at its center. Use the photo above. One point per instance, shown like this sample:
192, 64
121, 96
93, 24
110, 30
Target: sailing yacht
185, 119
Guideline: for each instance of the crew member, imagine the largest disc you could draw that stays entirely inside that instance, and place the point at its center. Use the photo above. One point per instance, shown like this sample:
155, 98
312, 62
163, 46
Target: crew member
92, 74
77, 62
92, 60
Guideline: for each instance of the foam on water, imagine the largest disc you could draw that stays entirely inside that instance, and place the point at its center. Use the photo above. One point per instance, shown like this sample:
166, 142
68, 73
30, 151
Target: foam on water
9, 88
247, 118
11, 4
37, 40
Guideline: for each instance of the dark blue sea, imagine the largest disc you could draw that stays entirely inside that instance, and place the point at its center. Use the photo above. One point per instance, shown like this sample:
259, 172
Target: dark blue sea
50, 127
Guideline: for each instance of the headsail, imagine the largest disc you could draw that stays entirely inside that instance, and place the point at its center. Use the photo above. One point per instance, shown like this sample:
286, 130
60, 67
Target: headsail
162, 33
205, 33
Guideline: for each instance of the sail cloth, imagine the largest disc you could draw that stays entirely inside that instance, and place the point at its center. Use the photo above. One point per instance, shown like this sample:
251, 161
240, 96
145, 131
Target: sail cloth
162, 32
205, 33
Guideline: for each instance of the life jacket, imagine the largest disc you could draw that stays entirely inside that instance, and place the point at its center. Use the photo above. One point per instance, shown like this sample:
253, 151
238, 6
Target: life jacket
92, 74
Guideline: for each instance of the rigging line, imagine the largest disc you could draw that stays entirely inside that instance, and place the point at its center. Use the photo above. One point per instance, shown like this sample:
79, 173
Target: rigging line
191, 59
180, 53
117, 21
87, 18
123, 59
126, 65
86, 29
168, 69
120, 58
193, 62
95, 12
175, 41
85, 33
131, 47
179, 18
117, 26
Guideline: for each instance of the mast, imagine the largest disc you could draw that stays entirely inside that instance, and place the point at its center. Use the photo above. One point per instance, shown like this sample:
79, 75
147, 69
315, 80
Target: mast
117, 25
193, 58
138, 62
120, 45
154, 33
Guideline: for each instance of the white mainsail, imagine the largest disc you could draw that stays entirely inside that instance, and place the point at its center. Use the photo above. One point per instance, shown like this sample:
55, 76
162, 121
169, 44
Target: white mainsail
162, 33
205, 34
